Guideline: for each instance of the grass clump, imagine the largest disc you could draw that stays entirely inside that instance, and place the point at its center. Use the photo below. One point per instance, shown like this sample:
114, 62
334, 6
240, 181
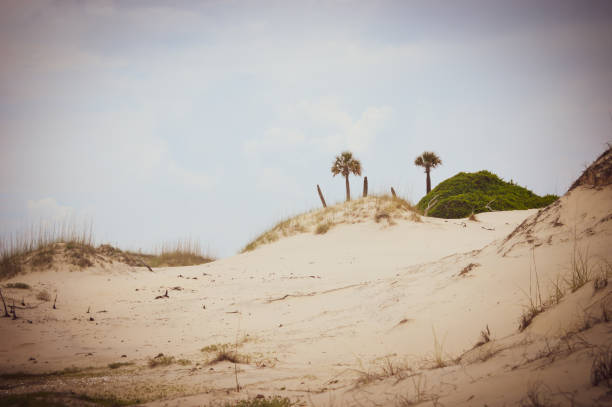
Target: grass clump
117, 365
472, 193
275, 401
43, 296
61, 399
323, 228
36, 245
580, 270
601, 370
285, 227
160, 360
21, 286
183, 252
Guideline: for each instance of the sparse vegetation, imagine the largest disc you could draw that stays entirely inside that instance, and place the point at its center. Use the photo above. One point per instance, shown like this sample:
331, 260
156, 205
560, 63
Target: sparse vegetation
438, 352
537, 396
323, 228
43, 296
39, 249
580, 269
183, 252
21, 286
485, 337
59, 399
467, 193
262, 401
117, 365
601, 370
161, 360
316, 221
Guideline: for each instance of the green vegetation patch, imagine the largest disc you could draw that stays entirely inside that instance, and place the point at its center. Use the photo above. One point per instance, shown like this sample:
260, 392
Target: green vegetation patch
468, 193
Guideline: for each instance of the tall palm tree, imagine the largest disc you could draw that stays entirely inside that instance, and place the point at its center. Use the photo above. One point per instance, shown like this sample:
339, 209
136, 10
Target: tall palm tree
428, 160
346, 164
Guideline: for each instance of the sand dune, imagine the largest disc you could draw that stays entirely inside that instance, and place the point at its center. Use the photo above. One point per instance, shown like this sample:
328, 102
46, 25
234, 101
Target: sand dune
350, 317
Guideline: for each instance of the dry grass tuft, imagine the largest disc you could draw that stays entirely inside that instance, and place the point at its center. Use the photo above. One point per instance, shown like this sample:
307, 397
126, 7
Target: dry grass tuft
601, 370
117, 365
161, 360
323, 228
21, 286
43, 296
537, 396
415, 217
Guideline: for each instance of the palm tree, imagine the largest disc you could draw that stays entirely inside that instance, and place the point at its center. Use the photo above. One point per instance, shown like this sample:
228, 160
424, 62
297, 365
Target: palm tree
428, 160
346, 164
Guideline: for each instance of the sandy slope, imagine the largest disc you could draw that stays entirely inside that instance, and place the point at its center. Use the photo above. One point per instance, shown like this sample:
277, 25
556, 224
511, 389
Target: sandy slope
320, 317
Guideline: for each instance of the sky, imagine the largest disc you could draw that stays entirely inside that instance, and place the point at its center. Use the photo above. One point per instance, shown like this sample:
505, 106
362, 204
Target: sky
213, 120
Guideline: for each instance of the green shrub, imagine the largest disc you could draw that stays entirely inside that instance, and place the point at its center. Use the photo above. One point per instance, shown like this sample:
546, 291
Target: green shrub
471, 193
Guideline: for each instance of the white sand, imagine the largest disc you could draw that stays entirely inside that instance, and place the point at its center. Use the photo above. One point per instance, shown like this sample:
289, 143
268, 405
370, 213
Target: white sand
322, 311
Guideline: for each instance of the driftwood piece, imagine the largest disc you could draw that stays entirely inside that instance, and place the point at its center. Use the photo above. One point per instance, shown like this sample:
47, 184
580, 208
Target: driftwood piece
393, 193
145, 264
6, 313
432, 202
488, 207
321, 196
365, 186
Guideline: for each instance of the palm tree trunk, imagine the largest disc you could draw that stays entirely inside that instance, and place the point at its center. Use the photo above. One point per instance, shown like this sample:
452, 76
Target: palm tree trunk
428, 180
348, 188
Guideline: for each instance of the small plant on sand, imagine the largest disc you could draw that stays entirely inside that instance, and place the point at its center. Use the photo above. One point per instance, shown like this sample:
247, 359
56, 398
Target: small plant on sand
160, 360
438, 352
485, 337
601, 281
419, 393
536, 305
580, 269
601, 370
184, 362
538, 395
43, 296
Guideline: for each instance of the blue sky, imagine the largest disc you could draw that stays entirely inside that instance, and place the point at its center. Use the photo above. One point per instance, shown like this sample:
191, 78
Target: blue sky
215, 119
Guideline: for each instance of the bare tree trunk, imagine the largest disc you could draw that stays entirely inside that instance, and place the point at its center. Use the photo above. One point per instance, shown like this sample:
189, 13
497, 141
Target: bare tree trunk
428, 180
365, 186
321, 196
348, 188
393, 192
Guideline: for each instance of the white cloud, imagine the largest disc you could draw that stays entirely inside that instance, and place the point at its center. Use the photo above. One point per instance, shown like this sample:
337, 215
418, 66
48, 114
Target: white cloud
47, 209
190, 178
275, 179
274, 139
328, 126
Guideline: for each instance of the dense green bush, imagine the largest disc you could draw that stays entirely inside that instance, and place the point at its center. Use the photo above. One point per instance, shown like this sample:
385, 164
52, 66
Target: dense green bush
467, 193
